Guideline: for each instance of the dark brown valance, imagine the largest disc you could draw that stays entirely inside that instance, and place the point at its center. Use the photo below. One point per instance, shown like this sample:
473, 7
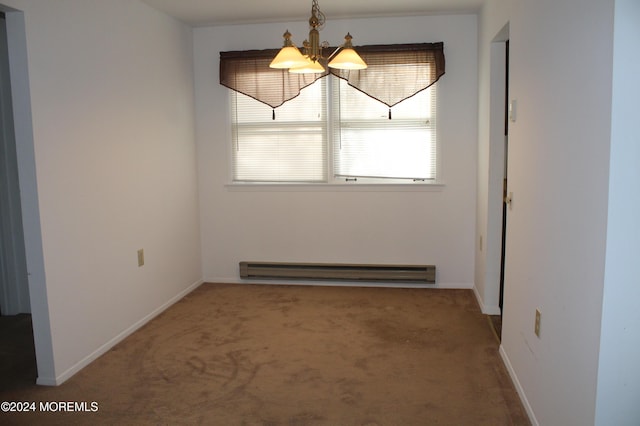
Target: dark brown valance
395, 72
248, 72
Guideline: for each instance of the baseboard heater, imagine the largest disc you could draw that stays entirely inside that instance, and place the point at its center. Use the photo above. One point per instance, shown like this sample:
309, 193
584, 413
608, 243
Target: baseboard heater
425, 274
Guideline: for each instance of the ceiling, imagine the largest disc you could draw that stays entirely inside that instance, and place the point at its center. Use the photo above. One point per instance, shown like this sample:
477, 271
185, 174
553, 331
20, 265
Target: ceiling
217, 12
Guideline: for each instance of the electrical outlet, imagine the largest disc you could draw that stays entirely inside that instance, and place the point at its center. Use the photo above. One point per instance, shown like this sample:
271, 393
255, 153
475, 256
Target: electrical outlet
141, 257
536, 328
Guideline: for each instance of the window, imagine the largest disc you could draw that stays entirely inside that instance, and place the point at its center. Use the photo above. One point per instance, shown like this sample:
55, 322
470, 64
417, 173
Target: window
375, 125
369, 143
292, 143
290, 148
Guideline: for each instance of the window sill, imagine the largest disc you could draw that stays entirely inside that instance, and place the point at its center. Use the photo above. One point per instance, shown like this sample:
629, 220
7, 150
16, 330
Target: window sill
335, 187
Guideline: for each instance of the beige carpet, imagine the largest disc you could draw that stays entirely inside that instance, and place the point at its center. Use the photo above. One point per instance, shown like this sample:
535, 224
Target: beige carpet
297, 355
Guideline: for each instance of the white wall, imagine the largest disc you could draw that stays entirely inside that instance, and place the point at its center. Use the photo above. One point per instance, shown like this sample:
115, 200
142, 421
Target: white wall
113, 139
619, 371
560, 75
360, 225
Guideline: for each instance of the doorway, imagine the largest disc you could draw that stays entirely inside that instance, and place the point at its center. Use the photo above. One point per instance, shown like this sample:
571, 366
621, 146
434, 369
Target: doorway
14, 286
17, 360
496, 285
34, 292
506, 199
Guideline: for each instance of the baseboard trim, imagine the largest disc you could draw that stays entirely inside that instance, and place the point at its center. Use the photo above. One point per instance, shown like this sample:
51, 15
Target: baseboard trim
60, 379
519, 389
486, 309
236, 280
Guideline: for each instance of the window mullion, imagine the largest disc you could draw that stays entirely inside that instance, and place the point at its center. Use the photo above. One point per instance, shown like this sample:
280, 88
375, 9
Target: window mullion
331, 128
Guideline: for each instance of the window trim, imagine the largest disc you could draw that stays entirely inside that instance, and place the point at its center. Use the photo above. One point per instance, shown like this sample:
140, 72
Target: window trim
334, 187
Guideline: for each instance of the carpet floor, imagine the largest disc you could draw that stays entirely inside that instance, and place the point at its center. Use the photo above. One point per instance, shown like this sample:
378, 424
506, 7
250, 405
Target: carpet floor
295, 355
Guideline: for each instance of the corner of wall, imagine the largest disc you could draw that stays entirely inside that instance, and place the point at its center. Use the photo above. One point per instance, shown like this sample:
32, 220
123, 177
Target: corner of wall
486, 309
66, 375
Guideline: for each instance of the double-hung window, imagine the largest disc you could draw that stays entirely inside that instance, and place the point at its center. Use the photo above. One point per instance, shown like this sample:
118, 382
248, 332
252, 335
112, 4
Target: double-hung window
370, 146
335, 131
286, 145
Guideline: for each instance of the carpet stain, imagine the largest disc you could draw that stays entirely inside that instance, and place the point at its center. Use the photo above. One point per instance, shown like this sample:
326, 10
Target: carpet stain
361, 363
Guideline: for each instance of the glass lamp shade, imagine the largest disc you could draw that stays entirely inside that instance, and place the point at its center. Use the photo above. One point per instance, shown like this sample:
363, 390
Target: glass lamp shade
288, 57
348, 59
310, 67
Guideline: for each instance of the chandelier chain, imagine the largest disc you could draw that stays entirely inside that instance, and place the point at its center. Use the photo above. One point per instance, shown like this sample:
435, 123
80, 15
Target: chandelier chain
315, 11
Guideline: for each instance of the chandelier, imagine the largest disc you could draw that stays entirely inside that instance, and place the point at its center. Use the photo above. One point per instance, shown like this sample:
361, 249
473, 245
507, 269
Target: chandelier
292, 59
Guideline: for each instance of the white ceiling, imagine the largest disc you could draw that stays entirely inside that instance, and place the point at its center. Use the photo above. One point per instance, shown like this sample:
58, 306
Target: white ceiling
217, 12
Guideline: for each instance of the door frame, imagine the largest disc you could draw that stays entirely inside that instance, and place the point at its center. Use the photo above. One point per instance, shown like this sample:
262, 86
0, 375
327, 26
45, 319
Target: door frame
495, 169
506, 199
27, 177
14, 285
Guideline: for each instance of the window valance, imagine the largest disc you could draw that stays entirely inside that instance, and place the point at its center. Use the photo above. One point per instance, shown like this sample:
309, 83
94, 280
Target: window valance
395, 72
248, 72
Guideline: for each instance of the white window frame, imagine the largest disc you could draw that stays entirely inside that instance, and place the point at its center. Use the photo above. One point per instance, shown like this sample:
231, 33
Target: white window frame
334, 182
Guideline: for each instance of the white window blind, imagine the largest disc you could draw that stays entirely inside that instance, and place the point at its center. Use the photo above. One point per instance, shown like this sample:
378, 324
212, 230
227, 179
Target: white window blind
368, 144
288, 144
